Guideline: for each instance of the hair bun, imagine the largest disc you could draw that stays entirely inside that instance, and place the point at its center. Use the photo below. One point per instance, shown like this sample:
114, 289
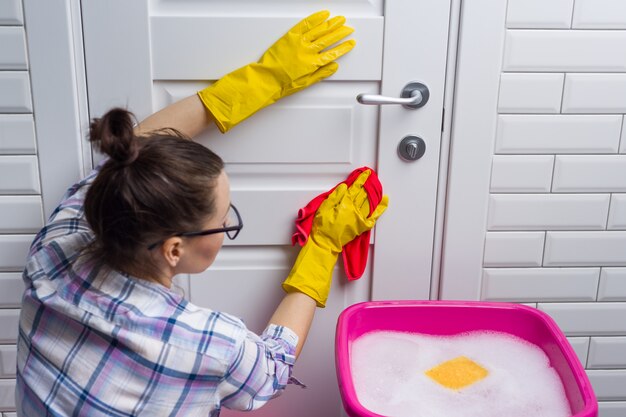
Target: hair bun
113, 134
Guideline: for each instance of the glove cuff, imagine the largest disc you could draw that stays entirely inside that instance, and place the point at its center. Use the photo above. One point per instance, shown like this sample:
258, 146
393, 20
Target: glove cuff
312, 273
241, 93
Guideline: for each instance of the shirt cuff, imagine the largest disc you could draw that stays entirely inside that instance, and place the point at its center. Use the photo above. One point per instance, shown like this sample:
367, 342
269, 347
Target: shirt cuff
288, 339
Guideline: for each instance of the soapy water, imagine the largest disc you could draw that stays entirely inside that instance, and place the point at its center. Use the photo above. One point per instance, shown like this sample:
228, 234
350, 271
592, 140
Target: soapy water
388, 370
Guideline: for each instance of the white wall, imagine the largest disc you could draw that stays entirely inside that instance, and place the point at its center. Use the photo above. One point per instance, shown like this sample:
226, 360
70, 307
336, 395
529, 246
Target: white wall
556, 224
21, 210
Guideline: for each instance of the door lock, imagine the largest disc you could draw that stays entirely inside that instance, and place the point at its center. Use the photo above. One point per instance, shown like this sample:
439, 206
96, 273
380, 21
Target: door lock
411, 148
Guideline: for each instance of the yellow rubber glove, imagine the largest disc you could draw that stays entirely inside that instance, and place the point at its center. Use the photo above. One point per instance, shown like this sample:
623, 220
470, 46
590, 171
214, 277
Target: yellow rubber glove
338, 220
294, 62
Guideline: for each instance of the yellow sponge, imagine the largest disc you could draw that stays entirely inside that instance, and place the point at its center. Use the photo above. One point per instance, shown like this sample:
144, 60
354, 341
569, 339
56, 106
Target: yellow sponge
457, 373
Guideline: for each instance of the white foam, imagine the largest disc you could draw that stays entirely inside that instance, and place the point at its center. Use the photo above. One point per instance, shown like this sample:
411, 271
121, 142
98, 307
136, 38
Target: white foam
388, 372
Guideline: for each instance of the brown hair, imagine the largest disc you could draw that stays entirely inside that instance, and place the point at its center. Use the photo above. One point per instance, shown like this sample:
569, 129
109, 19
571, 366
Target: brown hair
151, 187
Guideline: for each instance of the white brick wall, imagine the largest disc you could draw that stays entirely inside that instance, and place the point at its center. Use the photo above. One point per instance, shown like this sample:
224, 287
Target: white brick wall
594, 93
21, 212
558, 134
565, 51
530, 93
548, 211
547, 284
607, 352
585, 249
17, 134
554, 14
617, 213
557, 210
599, 14
589, 173
612, 284
522, 173
521, 249
581, 347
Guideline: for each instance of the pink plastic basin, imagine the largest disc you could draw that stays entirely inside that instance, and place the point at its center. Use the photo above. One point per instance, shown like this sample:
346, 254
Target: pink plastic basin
453, 317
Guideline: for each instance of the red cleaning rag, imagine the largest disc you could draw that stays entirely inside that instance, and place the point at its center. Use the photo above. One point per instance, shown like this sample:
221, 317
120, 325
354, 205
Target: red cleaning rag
355, 252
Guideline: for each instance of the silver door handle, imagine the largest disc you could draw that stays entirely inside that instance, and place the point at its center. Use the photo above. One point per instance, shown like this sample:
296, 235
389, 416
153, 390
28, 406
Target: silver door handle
414, 95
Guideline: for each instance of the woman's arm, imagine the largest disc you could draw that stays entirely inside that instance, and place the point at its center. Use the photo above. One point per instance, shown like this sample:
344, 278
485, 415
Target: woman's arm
302, 57
188, 116
295, 312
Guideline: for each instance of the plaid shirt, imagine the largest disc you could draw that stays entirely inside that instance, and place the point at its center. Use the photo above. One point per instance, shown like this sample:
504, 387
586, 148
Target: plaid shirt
95, 342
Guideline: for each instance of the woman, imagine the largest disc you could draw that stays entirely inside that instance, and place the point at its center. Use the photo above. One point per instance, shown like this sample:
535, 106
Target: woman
101, 331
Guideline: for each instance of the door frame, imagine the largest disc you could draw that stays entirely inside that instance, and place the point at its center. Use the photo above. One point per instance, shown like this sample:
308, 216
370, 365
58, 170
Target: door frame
414, 272
479, 59
454, 28
59, 95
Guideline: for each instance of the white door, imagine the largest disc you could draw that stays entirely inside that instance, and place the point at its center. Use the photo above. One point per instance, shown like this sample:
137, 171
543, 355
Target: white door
147, 54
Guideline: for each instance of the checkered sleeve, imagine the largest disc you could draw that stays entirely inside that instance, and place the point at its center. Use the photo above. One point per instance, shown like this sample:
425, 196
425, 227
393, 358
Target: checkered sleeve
69, 216
261, 369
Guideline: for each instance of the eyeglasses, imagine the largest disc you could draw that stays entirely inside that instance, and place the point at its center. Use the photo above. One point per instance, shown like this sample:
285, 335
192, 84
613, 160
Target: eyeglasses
232, 227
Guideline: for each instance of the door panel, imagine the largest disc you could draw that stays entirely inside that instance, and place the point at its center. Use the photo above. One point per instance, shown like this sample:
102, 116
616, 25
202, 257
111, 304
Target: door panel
266, 8
247, 39
291, 151
338, 129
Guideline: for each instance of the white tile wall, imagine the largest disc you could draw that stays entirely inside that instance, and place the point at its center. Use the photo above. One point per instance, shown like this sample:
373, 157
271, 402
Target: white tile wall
609, 385
521, 173
21, 214
20, 200
540, 284
11, 12
589, 173
12, 288
548, 134
13, 251
594, 93
612, 409
581, 347
12, 48
548, 211
607, 352
17, 134
7, 394
617, 213
19, 175
15, 92
514, 249
565, 50
8, 355
612, 284
599, 14
588, 319
530, 93
622, 148
585, 249
9, 319
526, 14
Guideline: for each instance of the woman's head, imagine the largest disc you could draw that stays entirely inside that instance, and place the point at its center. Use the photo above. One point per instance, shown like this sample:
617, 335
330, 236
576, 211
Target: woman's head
150, 190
